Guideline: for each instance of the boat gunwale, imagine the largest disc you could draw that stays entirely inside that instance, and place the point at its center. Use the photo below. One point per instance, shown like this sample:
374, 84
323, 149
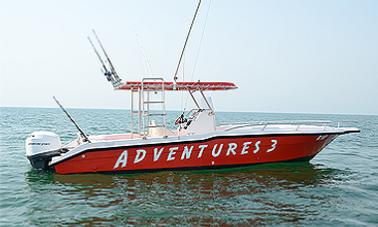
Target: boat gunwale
104, 145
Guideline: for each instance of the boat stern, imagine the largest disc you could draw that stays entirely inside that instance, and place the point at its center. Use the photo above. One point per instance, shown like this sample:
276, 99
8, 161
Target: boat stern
40, 147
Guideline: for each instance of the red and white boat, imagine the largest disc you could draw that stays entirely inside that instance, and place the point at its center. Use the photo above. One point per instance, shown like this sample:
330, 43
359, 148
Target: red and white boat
197, 142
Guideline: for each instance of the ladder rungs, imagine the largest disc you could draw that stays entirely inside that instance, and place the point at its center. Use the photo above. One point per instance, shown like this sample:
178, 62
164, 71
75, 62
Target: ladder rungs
156, 126
149, 102
156, 114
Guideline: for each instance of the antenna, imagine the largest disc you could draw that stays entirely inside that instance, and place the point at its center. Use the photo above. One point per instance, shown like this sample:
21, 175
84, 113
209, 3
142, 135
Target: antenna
186, 41
146, 59
82, 134
112, 69
105, 70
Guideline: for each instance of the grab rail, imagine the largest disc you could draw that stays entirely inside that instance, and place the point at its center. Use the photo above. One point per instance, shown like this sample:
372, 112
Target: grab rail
265, 124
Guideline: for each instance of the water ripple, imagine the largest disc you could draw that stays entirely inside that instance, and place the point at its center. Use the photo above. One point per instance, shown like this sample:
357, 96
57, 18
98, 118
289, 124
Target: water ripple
338, 187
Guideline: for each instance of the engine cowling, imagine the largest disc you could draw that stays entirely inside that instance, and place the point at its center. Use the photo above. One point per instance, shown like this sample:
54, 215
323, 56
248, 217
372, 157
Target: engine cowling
40, 147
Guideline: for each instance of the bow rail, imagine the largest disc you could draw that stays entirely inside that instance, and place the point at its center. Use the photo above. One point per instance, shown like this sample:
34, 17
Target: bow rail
266, 124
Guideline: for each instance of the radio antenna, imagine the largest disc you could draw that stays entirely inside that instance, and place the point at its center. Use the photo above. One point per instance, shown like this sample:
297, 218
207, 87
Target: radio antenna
82, 134
112, 69
186, 41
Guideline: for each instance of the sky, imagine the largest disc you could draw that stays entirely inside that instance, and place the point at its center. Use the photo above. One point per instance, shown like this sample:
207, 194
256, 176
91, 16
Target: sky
294, 56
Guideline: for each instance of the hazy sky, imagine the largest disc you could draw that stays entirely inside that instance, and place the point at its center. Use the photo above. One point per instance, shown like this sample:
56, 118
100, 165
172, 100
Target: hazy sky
317, 56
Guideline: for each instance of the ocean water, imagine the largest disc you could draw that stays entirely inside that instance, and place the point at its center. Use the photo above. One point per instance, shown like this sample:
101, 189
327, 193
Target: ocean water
337, 187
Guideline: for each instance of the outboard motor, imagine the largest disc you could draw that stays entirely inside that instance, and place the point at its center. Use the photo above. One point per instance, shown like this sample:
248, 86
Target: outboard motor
41, 147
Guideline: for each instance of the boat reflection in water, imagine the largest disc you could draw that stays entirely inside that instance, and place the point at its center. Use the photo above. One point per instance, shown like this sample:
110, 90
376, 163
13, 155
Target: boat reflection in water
262, 194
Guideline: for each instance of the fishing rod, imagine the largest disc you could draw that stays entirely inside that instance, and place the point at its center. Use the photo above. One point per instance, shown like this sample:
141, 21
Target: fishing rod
186, 41
106, 72
82, 134
112, 69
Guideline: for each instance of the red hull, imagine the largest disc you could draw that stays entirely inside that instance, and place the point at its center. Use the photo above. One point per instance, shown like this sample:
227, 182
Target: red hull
215, 152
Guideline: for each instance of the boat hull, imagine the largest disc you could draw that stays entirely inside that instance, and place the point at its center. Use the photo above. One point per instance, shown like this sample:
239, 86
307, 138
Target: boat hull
215, 152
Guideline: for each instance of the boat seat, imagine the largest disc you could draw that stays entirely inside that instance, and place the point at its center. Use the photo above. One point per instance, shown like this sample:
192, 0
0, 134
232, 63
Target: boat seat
160, 132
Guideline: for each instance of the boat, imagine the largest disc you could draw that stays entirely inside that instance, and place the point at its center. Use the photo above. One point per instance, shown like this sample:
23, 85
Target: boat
197, 142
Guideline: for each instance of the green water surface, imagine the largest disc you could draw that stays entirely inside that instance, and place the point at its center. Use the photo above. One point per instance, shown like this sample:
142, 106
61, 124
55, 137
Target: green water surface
338, 187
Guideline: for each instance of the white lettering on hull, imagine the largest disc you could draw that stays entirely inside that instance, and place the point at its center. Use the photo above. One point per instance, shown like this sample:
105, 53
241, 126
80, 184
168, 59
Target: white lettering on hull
202, 148
231, 149
257, 147
245, 148
122, 160
216, 153
172, 152
188, 152
140, 155
274, 143
157, 153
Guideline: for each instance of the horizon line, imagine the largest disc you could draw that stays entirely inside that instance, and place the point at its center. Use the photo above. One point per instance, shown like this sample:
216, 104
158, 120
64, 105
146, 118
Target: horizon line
94, 108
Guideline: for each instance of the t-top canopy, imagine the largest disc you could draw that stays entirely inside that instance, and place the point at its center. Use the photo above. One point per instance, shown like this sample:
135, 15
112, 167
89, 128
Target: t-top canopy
180, 86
